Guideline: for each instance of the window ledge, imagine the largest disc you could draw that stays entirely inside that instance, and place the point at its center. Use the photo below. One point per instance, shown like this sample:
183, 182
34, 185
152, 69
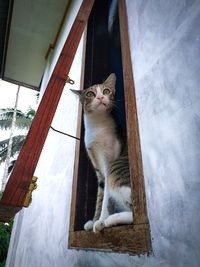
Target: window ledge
132, 239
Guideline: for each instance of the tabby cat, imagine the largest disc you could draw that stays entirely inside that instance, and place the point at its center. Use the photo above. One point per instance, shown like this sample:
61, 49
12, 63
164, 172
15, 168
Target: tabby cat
108, 157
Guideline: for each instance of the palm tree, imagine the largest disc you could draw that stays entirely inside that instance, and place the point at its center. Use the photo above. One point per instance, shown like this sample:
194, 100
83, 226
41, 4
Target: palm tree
12, 118
18, 141
22, 119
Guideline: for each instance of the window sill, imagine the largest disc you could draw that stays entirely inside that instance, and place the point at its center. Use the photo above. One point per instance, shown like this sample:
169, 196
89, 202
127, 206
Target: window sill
132, 239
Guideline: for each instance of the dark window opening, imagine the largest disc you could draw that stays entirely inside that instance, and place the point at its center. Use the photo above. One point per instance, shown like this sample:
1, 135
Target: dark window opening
107, 50
103, 56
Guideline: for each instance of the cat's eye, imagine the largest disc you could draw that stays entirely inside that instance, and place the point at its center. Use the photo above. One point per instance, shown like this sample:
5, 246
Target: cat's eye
90, 94
106, 91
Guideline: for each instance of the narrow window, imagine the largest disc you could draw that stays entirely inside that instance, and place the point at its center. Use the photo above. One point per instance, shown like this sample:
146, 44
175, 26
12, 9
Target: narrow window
107, 51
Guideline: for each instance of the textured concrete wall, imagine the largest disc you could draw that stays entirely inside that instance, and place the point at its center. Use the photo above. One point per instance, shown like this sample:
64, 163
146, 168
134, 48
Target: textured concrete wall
165, 45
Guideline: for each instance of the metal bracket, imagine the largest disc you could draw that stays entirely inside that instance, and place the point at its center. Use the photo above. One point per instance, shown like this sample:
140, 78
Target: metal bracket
32, 187
69, 80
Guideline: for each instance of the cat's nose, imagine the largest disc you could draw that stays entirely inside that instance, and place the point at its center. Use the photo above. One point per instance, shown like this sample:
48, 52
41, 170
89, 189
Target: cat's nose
100, 97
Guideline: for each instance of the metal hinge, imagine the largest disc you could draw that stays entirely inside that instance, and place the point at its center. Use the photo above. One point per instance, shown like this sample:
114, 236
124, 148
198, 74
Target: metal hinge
32, 187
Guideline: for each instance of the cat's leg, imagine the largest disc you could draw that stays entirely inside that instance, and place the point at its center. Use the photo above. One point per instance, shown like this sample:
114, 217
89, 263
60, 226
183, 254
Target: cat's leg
100, 162
99, 225
125, 217
100, 191
103, 163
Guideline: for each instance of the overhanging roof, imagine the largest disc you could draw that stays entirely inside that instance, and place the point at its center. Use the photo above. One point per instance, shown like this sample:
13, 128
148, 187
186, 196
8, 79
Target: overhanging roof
4, 7
33, 27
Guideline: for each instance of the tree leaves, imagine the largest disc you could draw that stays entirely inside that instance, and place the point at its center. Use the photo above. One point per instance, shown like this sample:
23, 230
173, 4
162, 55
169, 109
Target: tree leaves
23, 120
16, 146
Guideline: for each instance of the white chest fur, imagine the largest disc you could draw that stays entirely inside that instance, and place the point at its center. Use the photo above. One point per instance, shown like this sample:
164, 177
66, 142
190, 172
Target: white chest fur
100, 133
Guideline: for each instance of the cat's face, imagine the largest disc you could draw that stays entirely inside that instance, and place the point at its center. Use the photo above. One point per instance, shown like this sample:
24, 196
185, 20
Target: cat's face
98, 98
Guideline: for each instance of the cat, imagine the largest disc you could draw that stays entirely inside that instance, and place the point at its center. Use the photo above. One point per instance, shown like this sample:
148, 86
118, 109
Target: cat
108, 156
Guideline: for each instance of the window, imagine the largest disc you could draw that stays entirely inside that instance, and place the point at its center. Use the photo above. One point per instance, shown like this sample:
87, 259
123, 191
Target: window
106, 52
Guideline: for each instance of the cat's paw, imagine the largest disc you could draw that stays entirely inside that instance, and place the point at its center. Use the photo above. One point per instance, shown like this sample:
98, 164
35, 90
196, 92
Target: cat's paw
111, 220
98, 226
88, 226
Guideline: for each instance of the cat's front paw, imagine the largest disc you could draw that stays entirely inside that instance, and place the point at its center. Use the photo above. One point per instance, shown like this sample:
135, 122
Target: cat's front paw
98, 226
88, 226
111, 220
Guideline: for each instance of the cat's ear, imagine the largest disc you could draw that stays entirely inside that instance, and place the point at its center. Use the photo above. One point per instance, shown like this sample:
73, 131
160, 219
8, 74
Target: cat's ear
77, 92
111, 81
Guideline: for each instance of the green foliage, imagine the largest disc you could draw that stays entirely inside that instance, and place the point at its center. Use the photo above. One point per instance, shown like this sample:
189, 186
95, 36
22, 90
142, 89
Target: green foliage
30, 113
7, 113
23, 120
18, 141
5, 232
3, 264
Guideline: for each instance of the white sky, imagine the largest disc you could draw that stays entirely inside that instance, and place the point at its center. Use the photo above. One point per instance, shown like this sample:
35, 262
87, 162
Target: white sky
27, 98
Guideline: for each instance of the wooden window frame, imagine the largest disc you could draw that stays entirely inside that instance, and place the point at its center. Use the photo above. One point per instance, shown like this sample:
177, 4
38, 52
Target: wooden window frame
134, 239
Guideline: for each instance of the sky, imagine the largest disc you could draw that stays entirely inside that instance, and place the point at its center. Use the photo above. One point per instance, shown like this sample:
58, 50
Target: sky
27, 98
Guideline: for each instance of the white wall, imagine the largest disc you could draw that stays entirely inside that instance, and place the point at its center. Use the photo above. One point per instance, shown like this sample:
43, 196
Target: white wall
165, 53
165, 45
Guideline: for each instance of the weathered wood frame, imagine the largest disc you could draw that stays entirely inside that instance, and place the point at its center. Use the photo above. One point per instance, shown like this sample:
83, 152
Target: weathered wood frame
134, 238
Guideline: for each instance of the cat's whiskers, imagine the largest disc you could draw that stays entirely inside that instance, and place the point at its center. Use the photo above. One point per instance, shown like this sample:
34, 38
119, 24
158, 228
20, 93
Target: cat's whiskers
113, 103
119, 100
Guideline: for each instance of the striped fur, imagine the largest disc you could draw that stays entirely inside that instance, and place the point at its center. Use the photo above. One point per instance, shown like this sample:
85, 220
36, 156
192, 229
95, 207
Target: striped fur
119, 172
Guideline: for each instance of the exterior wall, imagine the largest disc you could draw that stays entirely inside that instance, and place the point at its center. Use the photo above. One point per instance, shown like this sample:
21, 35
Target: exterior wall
165, 45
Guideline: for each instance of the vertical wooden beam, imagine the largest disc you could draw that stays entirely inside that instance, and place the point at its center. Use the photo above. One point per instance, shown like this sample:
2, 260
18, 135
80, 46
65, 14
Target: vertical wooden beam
134, 150
23, 171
